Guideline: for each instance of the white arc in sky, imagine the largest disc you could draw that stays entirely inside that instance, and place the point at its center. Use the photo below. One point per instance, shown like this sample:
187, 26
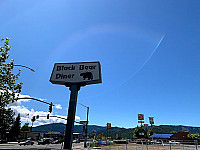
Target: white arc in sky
139, 69
148, 59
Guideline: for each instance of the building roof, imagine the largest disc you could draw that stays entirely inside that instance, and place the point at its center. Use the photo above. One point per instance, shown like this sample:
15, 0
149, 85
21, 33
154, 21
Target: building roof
161, 135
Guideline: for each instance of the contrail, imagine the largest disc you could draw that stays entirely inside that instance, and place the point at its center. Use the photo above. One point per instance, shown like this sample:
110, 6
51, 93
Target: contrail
148, 59
138, 70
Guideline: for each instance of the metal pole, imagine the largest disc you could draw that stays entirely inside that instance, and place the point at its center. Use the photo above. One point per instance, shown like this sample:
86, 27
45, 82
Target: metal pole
74, 88
85, 141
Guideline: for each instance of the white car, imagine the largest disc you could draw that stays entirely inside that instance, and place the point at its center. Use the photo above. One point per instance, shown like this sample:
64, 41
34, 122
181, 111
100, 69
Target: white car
174, 142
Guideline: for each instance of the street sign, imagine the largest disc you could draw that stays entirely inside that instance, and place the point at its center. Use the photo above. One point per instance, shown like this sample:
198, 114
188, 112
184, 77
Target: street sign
83, 122
140, 116
94, 131
108, 125
102, 143
83, 73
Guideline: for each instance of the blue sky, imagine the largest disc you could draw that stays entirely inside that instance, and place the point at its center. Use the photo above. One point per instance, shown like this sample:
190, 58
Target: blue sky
148, 50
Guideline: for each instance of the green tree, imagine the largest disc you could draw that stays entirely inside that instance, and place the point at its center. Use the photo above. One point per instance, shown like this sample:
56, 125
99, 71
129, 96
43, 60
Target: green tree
15, 129
9, 89
149, 133
194, 136
25, 127
173, 132
140, 132
8, 86
6, 121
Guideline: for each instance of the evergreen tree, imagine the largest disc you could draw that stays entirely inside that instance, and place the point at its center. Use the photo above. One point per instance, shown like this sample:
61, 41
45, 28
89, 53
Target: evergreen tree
15, 129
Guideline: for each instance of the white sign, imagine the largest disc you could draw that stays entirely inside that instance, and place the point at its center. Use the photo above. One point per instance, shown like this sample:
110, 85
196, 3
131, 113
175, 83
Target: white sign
76, 73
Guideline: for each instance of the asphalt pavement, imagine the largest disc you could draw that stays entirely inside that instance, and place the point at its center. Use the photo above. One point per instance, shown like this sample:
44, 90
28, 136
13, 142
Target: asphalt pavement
36, 146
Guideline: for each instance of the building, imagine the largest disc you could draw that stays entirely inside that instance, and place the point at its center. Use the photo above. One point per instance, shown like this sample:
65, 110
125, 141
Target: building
180, 136
175, 136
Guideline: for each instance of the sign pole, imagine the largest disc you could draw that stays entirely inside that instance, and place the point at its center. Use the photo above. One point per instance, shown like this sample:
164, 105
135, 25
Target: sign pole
74, 88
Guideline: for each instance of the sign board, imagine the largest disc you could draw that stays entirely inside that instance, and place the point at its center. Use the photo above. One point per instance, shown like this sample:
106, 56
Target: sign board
99, 135
151, 121
83, 122
94, 131
108, 125
76, 73
103, 143
140, 116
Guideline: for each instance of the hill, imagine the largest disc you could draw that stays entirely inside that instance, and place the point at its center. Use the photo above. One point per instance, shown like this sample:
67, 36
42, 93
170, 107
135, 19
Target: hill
60, 127
115, 131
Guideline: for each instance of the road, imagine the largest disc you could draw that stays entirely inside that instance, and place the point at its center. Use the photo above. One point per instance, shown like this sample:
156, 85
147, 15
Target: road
36, 146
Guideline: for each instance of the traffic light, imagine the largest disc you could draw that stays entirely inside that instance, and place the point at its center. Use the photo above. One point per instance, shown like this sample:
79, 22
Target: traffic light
33, 119
50, 107
48, 116
37, 117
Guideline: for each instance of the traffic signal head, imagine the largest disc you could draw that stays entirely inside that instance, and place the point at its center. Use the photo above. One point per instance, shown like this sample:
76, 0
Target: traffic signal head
37, 117
33, 119
50, 107
48, 116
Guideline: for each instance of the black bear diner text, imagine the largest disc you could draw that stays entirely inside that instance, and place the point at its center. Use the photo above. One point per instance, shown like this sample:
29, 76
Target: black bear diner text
72, 67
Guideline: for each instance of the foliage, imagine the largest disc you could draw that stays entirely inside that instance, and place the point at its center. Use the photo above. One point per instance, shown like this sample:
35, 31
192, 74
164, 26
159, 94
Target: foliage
8, 86
6, 121
94, 144
25, 127
139, 132
173, 132
15, 129
194, 136
9, 89
149, 133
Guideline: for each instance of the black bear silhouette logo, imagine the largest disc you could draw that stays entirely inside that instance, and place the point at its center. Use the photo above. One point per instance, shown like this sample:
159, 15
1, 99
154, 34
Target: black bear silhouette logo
87, 75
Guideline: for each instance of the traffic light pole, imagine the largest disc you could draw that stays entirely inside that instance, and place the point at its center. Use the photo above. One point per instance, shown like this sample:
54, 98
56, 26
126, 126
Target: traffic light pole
74, 88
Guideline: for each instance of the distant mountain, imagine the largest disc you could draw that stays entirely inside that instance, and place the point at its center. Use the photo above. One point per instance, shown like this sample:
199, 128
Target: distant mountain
115, 131
60, 127
178, 128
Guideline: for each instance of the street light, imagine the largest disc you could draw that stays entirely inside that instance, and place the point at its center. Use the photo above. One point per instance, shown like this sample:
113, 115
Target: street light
86, 127
25, 67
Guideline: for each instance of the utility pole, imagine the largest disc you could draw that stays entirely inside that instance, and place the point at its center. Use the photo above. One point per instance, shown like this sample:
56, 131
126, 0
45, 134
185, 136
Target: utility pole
86, 129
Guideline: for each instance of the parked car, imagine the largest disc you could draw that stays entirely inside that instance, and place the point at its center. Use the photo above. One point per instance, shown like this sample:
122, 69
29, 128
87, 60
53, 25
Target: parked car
76, 141
44, 141
174, 142
26, 143
56, 142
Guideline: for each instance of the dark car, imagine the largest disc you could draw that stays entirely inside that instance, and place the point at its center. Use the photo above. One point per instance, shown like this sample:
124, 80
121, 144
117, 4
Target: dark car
44, 141
26, 143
